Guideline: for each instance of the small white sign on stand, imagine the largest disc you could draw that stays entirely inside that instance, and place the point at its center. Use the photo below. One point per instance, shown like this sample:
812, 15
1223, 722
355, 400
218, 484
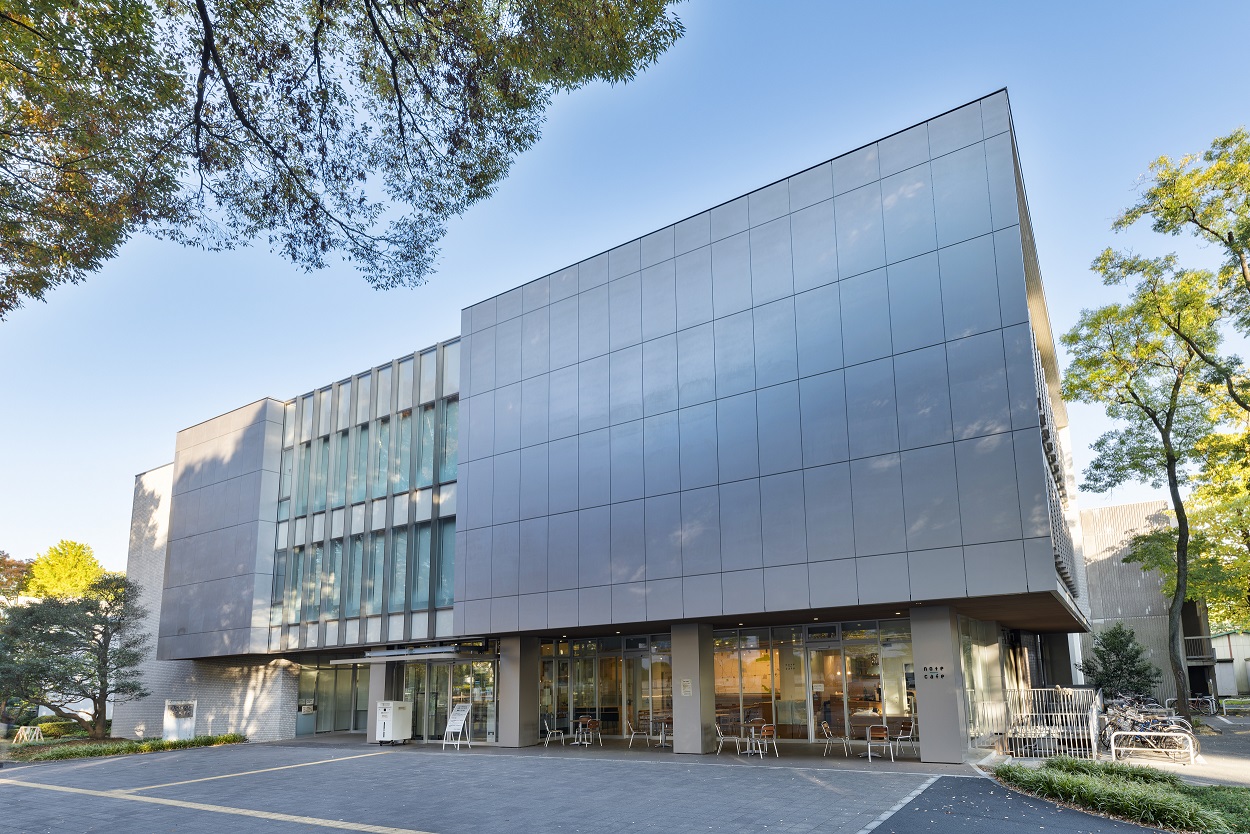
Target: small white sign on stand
455, 732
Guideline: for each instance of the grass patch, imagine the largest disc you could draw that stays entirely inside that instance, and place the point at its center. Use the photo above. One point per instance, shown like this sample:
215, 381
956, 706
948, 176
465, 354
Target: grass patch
60, 749
1138, 794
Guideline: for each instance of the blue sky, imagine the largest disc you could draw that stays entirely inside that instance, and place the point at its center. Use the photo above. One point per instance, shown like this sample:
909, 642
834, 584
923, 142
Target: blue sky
98, 380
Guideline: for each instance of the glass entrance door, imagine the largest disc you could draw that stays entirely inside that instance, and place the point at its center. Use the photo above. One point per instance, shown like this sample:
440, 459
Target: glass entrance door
414, 691
828, 691
438, 696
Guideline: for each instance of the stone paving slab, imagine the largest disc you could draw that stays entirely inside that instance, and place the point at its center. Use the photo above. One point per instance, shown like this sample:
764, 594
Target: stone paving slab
440, 792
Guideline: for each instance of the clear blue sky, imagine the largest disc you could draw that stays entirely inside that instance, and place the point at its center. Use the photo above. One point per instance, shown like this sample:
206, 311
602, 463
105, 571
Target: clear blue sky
98, 380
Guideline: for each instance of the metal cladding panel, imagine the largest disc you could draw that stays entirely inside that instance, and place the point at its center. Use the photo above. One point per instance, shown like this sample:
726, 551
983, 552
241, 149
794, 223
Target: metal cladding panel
835, 375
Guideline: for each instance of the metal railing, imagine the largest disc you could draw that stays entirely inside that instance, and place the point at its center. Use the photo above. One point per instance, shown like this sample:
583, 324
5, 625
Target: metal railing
1053, 722
1199, 648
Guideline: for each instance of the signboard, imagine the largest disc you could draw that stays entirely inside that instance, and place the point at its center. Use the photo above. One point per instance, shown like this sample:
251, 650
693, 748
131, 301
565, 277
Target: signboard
454, 733
687, 687
818, 687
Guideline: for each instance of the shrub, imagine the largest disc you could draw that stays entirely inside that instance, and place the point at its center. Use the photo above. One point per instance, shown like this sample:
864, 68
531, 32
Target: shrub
1137, 773
1149, 803
61, 729
57, 751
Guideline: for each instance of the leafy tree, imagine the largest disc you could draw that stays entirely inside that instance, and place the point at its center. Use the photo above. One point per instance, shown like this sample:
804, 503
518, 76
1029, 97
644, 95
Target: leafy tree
67, 569
1207, 197
1118, 665
12, 575
320, 126
60, 653
1129, 359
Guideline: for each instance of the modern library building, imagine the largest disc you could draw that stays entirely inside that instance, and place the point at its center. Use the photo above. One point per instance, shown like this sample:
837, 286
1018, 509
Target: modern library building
798, 459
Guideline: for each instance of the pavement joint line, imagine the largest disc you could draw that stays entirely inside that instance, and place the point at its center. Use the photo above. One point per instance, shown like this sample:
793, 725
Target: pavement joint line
898, 806
342, 825
1225, 720
695, 763
249, 772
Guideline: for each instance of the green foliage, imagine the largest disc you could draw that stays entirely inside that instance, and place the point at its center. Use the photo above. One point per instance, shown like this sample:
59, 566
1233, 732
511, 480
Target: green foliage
36, 752
1207, 197
12, 575
1149, 803
319, 126
60, 728
66, 569
61, 652
1118, 666
1120, 770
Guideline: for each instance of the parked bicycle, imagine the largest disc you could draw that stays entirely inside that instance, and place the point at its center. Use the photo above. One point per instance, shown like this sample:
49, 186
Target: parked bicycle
1169, 735
1204, 704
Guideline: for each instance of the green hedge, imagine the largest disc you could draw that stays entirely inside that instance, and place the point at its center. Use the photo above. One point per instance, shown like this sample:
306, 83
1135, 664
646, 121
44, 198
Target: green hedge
57, 751
1120, 790
59, 728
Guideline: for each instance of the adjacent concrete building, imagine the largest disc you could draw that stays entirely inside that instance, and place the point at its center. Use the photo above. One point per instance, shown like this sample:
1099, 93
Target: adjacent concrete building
797, 459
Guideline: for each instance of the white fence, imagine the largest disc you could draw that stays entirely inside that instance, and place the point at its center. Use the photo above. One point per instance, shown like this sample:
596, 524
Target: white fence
1038, 722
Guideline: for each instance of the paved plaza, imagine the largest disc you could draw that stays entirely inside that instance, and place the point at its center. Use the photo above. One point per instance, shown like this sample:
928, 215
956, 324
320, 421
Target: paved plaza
340, 783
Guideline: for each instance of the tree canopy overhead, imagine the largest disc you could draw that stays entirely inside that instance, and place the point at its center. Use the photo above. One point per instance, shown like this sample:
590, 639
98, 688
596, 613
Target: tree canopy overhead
322, 127
67, 569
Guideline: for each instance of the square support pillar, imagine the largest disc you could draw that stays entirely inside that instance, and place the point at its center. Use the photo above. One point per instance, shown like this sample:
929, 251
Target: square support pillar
519, 668
379, 685
694, 689
941, 714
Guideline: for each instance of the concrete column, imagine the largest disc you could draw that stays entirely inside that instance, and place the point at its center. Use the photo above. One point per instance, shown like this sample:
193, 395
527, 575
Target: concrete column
941, 712
694, 689
379, 689
519, 668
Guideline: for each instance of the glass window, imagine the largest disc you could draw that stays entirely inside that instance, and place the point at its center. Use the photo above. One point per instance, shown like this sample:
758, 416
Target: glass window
345, 405
399, 571
294, 586
421, 571
355, 569
451, 369
312, 588
866, 630
362, 398
429, 371
863, 686
284, 509
324, 400
445, 593
425, 448
288, 424
373, 576
451, 440
403, 457
333, 570
284, 485
306, 418
359, 476
381, 457
320, 470
384, 391
728, 674
279, 587
898, 675
301, 485
338, 481
404, 395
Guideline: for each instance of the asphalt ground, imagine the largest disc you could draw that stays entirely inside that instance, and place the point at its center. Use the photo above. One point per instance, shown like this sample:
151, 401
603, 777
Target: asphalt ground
343, 784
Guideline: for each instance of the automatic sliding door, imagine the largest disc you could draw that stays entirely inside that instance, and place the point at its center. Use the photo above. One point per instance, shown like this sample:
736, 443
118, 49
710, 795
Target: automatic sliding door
828, 691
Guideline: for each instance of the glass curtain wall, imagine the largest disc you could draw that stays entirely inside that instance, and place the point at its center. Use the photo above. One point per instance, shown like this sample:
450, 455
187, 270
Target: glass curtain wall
365, 467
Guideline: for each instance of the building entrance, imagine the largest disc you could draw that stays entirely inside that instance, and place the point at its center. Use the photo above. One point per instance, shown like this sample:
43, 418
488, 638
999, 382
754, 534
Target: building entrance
435, 687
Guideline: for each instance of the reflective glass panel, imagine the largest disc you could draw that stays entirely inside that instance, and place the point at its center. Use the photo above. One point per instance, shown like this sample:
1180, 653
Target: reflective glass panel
398, 580
451, 436
425, 448
355, 570
333, 572
445, 593
451, 369
403, 462
344, 405
381, 457
405, 385
421, 570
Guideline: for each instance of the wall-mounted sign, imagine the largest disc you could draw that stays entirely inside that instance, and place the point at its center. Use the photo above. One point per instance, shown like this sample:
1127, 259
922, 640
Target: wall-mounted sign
687, 687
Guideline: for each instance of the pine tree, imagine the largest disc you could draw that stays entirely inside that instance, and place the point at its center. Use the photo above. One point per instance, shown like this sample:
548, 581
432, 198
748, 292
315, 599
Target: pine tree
1118, 665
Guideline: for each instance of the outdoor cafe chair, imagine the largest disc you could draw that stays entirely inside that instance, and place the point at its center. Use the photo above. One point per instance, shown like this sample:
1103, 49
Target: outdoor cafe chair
878, 735
906, 735
768, 733
721, 738
631, 732
830, 739
551, 734
592, 730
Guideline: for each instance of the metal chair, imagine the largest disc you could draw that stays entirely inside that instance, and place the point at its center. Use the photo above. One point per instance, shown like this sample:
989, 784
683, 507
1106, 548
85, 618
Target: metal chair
830, 738
768, 733
551, 733
906, 735
631, 732
721, 738
592, 730
878, 735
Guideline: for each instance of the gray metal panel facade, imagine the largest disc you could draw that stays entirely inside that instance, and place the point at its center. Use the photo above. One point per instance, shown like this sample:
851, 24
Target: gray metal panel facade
822, 393
219, 563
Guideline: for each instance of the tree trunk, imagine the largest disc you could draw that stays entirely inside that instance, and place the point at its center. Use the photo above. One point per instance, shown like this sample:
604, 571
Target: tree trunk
1176, 634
